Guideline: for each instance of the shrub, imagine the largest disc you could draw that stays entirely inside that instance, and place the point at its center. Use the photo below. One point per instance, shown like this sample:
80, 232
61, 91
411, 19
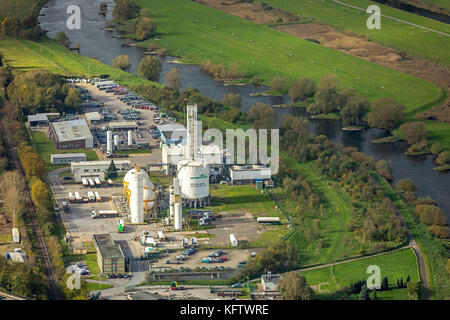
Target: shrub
430, 214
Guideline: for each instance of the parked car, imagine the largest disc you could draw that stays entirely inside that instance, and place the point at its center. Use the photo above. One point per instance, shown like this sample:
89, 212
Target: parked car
237, 285
207, 260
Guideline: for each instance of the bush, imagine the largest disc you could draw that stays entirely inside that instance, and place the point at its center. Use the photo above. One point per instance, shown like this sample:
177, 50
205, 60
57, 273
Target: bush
386, 114
121, 62
440, 231
278, 83
413, 132
436, 148
406, 185
232, 99
150, 68
444, 158
430, 215
145, 28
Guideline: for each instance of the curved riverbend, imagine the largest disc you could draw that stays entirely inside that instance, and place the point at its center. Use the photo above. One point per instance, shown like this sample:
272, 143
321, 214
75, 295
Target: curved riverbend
100, 44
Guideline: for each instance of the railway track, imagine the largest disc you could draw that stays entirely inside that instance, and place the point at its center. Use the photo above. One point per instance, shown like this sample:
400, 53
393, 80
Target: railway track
41, 245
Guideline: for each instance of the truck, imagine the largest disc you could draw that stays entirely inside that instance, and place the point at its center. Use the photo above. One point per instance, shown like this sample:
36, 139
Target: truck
15, 235
185, 242
85, 182
91, 182
71, 197
65, 206
148, 241
121, 226
161, 235
91, 196
172, 261
97, 181
104, 214
194, 242
78, 197
269, 220
97, 197
233, 240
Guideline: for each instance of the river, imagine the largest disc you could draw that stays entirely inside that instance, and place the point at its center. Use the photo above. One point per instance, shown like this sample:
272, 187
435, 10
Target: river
101, 45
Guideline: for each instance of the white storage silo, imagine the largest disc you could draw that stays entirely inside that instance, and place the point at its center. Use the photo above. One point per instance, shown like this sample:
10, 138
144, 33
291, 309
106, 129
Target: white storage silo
116, 141
171, 202
178, 221
194, 181
130, 138
137, 197
109, 142
149, 195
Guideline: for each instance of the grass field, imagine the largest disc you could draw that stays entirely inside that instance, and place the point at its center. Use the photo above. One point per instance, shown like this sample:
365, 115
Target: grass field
393, 265
395, 34
45, 147
337, 242
47, 54
187, 30
436, 257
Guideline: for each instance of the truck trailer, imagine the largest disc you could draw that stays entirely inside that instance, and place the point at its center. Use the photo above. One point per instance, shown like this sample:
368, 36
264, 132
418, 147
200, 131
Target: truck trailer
104, 214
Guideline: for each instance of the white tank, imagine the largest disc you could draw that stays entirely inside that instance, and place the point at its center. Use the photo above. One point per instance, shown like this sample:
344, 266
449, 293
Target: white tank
109, 142
116, 141
130, 137
171, 203
194, 179
149, 196
176, 186
178, 221
137, 197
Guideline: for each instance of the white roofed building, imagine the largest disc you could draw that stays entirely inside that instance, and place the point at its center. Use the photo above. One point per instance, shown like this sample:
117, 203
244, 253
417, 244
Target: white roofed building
73, 134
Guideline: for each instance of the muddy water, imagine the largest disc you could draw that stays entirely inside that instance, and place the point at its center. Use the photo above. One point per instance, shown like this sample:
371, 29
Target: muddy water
102, 45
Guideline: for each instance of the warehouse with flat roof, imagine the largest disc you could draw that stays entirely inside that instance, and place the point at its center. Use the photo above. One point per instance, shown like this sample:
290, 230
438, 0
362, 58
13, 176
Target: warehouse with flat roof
73, 134
40, 119
96, 169
63, 158
110, 257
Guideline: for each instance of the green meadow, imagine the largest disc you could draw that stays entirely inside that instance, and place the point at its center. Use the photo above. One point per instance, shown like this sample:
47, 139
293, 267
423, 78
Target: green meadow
394, 265
26, 55
196, 32
416, 41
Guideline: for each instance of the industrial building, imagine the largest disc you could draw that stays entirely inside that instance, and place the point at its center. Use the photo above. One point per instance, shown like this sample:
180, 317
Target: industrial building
93, 116
96, 169
171, 134
41, 119
270, 281
110, 257
64, 158
246, 174
123, 125
73, 134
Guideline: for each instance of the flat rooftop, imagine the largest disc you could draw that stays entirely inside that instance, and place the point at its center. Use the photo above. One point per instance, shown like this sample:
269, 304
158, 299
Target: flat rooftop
101, 162
72, 130
67, 155
122, 124
41, 116
107, 247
